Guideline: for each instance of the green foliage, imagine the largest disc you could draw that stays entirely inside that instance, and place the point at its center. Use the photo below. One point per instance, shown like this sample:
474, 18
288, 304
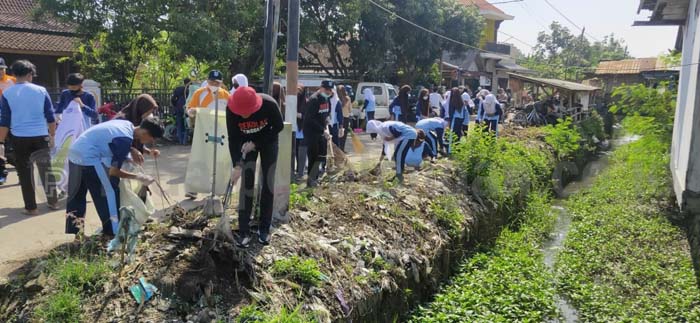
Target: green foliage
563, 55
507, 284
252, 314
62, 306
638, 100
78, 273
591, 129
564, 138
298, 198
304, 271
449, 216
623, 261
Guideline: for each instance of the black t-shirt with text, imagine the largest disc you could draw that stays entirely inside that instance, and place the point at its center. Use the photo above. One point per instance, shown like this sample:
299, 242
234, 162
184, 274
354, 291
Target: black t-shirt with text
261, 128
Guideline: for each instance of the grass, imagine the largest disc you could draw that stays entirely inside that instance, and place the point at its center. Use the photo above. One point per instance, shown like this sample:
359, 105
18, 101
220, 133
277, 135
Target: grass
63, 306
79, 273
305, 271
623, 260
509, 283
449, 216
253, 314
298, 198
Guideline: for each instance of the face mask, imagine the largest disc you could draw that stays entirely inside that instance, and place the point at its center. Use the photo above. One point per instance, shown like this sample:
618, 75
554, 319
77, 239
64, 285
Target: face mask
75, 93
325, 95
235, 85
213, 88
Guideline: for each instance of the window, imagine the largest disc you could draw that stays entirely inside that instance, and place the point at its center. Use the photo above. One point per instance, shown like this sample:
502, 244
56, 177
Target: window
376, 89
392, 93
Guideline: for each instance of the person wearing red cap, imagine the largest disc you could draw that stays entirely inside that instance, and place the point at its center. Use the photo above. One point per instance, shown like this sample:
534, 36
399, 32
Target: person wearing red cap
254, 122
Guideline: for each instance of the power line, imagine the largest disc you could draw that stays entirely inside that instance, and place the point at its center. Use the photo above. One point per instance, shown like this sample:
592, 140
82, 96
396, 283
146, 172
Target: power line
570, 21
516, 38
503, 2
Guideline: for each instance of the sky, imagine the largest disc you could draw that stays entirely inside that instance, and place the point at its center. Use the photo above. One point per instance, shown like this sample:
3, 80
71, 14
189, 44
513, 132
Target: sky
599, 17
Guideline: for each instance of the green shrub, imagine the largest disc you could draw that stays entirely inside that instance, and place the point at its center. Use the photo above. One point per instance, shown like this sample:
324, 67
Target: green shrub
564, 138
63, 306
252, 314
592, 128
659, 104
303, 271
298, 198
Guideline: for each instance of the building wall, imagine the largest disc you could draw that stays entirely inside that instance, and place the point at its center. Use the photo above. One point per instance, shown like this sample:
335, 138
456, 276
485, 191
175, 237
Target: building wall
685, 149
489, 34
613, 81
50, 73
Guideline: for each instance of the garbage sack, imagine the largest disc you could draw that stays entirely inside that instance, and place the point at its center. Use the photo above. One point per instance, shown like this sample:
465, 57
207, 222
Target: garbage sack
127, 233
143, 291
200, 168
223, 229
129, 196
71, 126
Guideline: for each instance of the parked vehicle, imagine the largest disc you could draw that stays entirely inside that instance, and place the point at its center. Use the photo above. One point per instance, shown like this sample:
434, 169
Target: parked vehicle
384, 94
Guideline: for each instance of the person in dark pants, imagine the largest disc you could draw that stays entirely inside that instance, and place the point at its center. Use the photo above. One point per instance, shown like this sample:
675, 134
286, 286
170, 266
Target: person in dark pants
456, 115
316, 132
369, 107
110, 142
398, 133
254, 122
26, 110
301, 149
346, 125
177, 101
75, 93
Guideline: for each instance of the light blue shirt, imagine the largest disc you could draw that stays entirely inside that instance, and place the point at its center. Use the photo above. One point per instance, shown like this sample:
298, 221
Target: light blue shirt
414, 156
26, 109
107, 143
371, 106
430, 124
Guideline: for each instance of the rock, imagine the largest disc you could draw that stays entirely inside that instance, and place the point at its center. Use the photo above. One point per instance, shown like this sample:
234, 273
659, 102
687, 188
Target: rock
180, 233
37, 270
37, 284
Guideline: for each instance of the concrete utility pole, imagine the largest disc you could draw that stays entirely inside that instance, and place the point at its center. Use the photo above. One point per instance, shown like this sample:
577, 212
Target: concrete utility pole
293, 22
270, 46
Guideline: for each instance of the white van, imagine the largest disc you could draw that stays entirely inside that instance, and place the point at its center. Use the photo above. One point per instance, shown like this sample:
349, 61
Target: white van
383, 92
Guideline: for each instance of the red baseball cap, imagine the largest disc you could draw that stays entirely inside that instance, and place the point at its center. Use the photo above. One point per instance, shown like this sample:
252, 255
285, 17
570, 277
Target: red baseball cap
244, 101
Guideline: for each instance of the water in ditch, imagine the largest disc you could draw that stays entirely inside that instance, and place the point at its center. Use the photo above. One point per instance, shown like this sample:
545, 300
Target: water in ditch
551, 247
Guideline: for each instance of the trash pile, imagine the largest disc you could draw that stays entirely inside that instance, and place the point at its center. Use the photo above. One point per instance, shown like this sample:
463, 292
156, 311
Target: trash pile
360, 248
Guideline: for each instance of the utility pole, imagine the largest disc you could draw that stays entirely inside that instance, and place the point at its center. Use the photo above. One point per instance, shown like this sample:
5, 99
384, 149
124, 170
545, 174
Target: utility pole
270, 46
293, 22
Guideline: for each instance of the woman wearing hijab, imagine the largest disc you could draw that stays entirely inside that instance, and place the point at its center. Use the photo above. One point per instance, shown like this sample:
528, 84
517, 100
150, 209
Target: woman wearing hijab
239, 80
399, 134
456, 115
336, 118
434, 129
399, 106
369, 107
423, 105
139, 109
489, 113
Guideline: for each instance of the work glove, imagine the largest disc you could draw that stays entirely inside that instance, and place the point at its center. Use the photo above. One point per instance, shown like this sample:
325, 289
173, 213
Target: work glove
2, 150
145, 179
247, 147
327, 135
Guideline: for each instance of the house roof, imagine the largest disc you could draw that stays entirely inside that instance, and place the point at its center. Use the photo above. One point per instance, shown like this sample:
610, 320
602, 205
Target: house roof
566, 85
21, 32
487, 10
631, 66
664, 12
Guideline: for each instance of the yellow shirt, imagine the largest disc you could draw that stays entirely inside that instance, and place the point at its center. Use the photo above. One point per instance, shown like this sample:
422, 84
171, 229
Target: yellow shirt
6, 81
204, 98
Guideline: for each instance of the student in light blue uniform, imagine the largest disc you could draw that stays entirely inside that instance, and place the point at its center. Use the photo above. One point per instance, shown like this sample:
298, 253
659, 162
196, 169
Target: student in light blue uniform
95, 161
369, 107
419, 151
399, 133
456, 115
489, 113
434, 129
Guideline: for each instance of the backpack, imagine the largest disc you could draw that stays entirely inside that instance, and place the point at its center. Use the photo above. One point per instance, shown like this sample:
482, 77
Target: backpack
490, 110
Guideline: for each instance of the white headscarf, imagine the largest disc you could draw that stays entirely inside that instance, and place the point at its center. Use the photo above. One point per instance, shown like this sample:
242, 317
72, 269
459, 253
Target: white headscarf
241, 79
484, 93
490, 101
378, 127
334, 106
369, 95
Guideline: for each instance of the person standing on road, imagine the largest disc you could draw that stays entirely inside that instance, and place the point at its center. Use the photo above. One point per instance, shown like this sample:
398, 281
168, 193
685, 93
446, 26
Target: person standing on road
346, 125
301, 149
5, 80
423, 108
95, 162
369, 107
136, 111
316, 133
400, 106
489, 113
401, 135
26, 111
254, 122
435, 101
177, 101
336, 117
456, 115
75, 93
469, 106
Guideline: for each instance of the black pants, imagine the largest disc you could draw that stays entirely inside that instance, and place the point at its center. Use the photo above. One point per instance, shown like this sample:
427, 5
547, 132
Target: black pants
400, 154
300, 157
370, 117
268, 159
81, 180
335, 132
317, 147
28, 151
347, 123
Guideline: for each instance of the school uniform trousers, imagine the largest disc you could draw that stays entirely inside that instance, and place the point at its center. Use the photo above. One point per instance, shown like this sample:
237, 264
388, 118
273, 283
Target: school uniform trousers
400, 154
268, 158
30, 151
84, 179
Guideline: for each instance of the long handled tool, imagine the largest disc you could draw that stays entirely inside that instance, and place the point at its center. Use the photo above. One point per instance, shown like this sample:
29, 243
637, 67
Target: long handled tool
213, 205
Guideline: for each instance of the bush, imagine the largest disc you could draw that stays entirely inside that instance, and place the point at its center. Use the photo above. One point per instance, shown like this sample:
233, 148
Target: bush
80, 274
658, 104
303, 271
63, 306
448, 214
564, 138
591, 129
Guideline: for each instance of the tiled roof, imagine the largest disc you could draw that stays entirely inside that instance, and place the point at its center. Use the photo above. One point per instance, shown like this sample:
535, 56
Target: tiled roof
487, 9
19, 41
20, 31
630, 66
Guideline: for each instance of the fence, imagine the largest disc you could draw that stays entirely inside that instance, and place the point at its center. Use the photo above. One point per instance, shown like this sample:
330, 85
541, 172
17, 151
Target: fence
122, 97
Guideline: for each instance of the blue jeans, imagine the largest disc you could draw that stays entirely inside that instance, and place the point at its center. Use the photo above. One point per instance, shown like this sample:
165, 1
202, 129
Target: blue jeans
181, 129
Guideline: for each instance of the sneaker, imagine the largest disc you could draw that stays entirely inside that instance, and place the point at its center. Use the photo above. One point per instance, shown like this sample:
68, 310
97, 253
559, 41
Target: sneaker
243, 242
264, 239
54, 206
191, 196
311, 183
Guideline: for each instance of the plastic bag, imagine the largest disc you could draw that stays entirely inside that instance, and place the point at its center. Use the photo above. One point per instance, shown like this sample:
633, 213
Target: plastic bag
200, 168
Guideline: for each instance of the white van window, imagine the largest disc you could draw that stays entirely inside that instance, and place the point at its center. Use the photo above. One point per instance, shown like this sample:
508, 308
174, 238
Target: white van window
392, 93
376, 89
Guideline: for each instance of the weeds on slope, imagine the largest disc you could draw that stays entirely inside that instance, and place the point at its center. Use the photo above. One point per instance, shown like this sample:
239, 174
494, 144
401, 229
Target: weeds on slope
623, 260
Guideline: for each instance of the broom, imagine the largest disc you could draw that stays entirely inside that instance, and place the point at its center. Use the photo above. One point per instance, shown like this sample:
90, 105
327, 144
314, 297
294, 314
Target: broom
357, 145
